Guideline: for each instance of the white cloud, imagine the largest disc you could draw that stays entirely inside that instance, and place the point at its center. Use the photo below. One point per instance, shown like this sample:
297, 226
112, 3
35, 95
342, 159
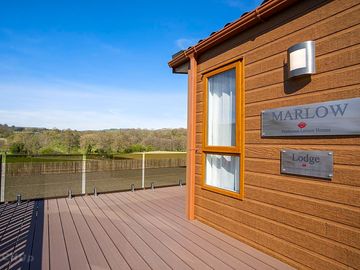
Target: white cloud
88, 120
184, 43
81, 106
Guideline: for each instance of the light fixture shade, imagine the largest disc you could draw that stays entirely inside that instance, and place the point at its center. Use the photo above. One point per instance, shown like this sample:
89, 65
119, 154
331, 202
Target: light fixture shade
301, 59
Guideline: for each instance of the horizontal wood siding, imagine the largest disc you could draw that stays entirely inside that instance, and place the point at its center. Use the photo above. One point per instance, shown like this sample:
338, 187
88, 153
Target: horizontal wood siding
310, 224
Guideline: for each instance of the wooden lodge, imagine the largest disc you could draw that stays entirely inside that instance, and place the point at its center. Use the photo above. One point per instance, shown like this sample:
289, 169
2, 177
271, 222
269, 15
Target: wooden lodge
261, 90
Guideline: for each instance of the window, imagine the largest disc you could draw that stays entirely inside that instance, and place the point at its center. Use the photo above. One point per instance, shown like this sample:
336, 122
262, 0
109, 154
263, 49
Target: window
223, 140
221, 109
222, 171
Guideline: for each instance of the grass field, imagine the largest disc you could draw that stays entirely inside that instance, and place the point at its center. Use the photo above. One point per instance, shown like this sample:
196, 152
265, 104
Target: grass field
44, 158
58, 158
153, 155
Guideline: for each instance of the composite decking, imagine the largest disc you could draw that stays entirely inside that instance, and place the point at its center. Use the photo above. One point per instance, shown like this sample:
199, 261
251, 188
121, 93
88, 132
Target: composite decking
129, 230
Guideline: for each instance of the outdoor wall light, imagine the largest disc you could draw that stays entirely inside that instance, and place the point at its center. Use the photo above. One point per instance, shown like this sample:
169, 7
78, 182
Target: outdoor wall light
301, 59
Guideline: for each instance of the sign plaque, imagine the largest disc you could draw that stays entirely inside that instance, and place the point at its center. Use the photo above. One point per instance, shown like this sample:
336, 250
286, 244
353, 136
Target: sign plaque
308, 163
338, 117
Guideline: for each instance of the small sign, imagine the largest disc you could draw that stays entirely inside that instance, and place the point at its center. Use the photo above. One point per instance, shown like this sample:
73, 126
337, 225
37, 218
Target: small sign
338, 117
309, 163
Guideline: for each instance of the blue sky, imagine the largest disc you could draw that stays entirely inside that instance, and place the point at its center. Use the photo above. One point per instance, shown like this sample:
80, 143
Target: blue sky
101, 64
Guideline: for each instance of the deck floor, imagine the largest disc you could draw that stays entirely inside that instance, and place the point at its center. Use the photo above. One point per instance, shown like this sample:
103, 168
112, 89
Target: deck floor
128, 230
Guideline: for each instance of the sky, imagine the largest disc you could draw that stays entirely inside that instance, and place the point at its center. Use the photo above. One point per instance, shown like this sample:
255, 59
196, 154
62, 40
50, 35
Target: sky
101, 64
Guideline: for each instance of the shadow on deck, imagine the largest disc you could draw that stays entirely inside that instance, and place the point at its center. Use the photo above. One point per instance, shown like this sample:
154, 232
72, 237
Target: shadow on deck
128, 230
21, 235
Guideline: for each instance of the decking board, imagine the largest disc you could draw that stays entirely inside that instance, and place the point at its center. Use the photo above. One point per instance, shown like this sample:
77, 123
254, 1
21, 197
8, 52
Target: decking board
58, 255
12, 234
154, 261
133, 259
109, 249
92, 249
234, 257
175, 247
235, 245
187, 244
75, 250
180, 227
131, 230
22, 251
167, 255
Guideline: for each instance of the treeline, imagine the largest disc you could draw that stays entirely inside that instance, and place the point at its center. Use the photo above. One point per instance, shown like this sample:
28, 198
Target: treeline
19, 140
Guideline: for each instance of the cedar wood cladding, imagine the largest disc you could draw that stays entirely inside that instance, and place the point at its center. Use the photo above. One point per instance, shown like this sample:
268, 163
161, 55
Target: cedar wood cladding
305, 222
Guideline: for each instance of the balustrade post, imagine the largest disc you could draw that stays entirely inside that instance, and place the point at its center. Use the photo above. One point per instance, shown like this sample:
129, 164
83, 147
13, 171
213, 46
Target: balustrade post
143, 171
83, 175
2, 177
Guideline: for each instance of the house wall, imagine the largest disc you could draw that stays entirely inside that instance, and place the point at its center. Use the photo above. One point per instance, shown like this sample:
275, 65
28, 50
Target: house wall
305, 222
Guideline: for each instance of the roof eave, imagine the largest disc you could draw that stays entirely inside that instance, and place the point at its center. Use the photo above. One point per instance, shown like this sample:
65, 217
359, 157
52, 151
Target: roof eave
249, 20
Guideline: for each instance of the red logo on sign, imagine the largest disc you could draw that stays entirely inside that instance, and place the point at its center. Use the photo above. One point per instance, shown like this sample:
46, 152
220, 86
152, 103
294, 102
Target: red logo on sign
304, 164
302, 125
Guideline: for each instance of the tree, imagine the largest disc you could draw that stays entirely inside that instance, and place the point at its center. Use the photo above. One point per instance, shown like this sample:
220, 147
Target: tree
17, 148
37, 140
48, 151
88, 149
135, 148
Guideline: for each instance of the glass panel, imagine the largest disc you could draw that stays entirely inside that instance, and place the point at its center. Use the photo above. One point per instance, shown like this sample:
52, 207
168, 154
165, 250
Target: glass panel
108, 174
165, 172
42, 176
45, 176
221, 109
223, 171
